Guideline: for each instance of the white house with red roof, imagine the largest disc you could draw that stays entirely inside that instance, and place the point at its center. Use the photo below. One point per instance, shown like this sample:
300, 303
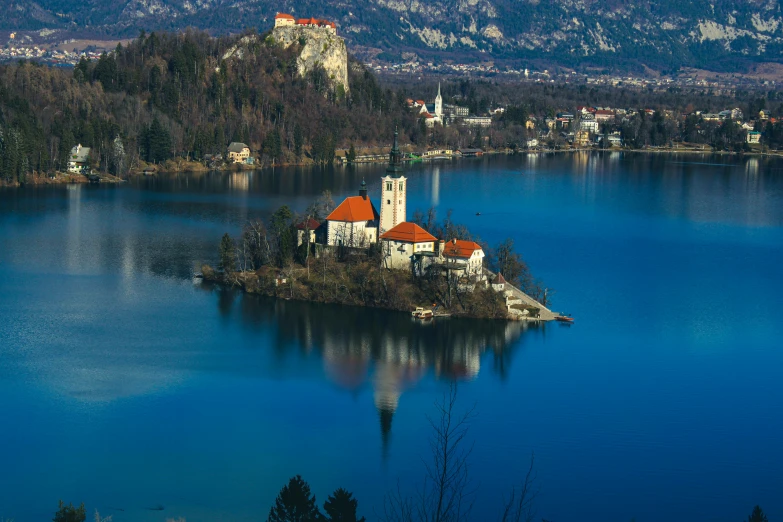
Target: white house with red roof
406, 242
354, 223
465, 254
283, 19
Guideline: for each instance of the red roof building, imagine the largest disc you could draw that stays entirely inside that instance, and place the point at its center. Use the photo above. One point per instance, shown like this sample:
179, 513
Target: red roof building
409, 233
354, 209
309, 224
461, 249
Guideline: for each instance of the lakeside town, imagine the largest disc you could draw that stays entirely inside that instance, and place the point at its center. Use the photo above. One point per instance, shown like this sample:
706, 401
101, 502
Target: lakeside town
586, 128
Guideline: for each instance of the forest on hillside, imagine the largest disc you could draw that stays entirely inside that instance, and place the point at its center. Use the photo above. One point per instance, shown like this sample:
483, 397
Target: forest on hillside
174, 94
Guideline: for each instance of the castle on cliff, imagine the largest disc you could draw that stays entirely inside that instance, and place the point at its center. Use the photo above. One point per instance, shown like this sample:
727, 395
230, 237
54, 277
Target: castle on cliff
286, 20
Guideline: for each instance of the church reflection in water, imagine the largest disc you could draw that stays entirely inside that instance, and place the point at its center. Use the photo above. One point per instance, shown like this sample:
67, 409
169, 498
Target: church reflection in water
389, 351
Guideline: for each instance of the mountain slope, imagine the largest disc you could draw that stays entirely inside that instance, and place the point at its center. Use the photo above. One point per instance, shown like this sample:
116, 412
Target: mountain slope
722, 34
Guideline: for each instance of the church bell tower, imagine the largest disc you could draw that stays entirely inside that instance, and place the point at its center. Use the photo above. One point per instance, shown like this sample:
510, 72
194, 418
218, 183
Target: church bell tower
439, 105
393, 191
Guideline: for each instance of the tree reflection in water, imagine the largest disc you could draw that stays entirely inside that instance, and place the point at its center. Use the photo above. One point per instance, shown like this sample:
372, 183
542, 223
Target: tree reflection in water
388, 350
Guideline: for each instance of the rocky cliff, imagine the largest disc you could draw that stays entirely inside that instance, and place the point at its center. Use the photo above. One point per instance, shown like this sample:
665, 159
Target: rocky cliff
320, 47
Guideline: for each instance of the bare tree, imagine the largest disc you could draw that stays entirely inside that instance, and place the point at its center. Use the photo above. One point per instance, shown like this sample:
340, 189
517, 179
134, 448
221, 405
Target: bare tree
446, 494
520, 506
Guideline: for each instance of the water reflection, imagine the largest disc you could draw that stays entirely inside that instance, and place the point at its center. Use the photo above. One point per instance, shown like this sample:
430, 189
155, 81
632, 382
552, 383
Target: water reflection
386, 350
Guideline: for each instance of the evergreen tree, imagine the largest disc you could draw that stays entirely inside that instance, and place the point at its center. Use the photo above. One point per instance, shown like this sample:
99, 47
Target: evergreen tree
69, 513
295, 503
757, 515
281, 227
341, 507
227, 254
155, 142
351, 156
298, 140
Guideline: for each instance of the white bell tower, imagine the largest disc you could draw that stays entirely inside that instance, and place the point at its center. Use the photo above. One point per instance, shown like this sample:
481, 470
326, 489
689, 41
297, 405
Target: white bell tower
394, 190
439, 105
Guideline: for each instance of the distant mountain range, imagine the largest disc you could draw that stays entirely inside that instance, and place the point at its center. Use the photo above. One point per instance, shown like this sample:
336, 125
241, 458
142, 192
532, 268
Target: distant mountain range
722, 35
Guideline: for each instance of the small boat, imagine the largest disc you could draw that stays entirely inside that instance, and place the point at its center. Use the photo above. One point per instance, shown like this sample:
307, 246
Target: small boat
564, 319
478, 213
421, 313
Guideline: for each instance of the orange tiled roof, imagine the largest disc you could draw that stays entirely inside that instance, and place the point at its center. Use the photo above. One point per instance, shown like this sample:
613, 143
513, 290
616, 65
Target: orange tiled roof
353, 209
410, 233
283, 16
303, 21
460, 248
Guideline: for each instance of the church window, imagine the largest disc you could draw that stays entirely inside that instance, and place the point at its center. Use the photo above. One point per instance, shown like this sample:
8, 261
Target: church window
388, 202
389, 185
400, 186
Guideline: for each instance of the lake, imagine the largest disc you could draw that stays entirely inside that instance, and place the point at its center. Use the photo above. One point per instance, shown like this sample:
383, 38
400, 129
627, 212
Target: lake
127, 385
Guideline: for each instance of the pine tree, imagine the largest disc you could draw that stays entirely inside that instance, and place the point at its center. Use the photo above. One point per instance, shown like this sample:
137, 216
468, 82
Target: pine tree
70, 514
295, 503
351, 156
341, 507
757, 515
227, 254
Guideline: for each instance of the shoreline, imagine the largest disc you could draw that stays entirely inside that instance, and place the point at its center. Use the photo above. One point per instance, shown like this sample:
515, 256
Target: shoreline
267, 282
76, 179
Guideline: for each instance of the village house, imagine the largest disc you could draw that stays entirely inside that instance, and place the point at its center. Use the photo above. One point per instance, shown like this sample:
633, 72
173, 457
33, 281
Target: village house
467, 255
604, 115
589, 126
238, 153
406, 243
354, 223
456, 111
477, 121
313, 227
581, 138
79, 160
754, 137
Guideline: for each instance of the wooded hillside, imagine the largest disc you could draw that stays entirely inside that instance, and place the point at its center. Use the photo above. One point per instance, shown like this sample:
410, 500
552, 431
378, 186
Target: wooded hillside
167, 94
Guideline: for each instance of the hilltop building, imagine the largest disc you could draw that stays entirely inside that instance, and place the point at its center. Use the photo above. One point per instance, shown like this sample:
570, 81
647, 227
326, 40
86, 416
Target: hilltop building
286, 20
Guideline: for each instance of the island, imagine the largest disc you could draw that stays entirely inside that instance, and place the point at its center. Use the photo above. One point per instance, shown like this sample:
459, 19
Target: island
356, 253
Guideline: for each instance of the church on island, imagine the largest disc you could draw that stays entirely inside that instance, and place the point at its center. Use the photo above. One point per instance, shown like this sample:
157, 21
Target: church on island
357, 223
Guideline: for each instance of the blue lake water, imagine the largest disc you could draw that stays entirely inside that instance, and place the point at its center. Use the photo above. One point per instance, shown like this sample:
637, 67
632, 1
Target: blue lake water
128, 386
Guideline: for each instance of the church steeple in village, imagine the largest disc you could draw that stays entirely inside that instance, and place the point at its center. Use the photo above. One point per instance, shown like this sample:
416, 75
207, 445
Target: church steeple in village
439, 106
393, 187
